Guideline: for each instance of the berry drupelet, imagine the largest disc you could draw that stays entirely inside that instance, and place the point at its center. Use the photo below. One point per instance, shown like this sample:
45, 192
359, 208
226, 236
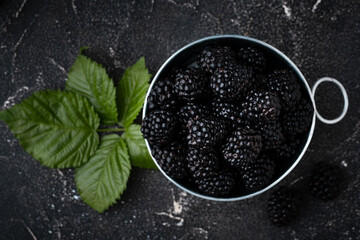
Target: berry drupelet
189, 84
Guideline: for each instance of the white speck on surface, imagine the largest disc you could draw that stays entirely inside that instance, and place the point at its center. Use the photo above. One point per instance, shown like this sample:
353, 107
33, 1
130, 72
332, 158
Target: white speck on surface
344, 164
315, 5
76, 197
57, 65
112, 52
20, 9
10, 101
180, 219
52, 206
202, 232
287, 10
50, 231
74, 6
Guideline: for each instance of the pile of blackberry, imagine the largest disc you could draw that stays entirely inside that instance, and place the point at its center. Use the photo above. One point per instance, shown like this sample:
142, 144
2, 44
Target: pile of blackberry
228, 123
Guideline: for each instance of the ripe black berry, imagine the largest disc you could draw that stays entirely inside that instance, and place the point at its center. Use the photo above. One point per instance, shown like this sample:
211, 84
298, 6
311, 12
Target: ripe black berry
171, 160
325, 181
205, 133
283, 206
229, 82
219, 184
258, 173
251, 57
161, 95
243, 146
212, 58
284, 83
158, 126
189, 84
261, 105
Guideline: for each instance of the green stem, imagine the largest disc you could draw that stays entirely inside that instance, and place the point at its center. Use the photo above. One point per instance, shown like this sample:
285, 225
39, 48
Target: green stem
111, 130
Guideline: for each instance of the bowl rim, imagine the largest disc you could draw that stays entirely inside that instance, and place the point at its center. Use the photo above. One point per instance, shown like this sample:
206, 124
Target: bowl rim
294, 68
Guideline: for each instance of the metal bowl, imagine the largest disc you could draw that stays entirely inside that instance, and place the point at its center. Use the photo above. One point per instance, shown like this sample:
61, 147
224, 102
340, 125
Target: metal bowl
186, 57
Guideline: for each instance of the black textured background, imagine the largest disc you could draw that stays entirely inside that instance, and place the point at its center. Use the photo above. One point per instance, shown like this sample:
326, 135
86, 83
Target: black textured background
39, 41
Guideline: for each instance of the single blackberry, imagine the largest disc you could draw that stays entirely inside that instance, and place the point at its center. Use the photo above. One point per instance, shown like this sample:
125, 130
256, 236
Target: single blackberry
260, 105
299, 119
284, 83
283, 206
271, 133
226, 110
191, 110
252, 57
325, 181
161, 95
202, 165
258, 173
212, 58
229, 82
158, 126
287, 150
242, 147
171, 160
219, 184
205, 133
189, 84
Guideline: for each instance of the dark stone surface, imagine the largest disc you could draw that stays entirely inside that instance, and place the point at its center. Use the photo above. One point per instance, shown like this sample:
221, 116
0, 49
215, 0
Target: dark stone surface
39, 41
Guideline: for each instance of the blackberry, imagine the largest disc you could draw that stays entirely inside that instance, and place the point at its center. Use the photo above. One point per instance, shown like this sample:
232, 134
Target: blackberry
191, 110
189, 84
284, 83
283, 206
287, 150
212, 58
219, 184
226, 110
229, 82
242, 147
258, 173
261, 105
171, 160
205, 133
252, 57
202, 165
299, 119
325, 181
271, 133
161, 95
158, 126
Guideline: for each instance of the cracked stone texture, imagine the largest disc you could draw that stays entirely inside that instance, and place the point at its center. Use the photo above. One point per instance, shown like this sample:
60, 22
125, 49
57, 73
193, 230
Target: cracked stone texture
39, 41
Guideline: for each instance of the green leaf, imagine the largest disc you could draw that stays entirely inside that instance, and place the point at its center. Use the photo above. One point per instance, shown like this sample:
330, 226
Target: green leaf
57, 128
90, 79
139, 155
131, 92
101, 181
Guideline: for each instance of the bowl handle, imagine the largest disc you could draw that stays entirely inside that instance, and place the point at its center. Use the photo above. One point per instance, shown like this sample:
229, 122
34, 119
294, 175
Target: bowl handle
345, 96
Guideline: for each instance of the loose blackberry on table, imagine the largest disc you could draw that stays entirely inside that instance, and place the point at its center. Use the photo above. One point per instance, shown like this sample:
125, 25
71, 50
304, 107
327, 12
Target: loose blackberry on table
325, 181
283, 206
